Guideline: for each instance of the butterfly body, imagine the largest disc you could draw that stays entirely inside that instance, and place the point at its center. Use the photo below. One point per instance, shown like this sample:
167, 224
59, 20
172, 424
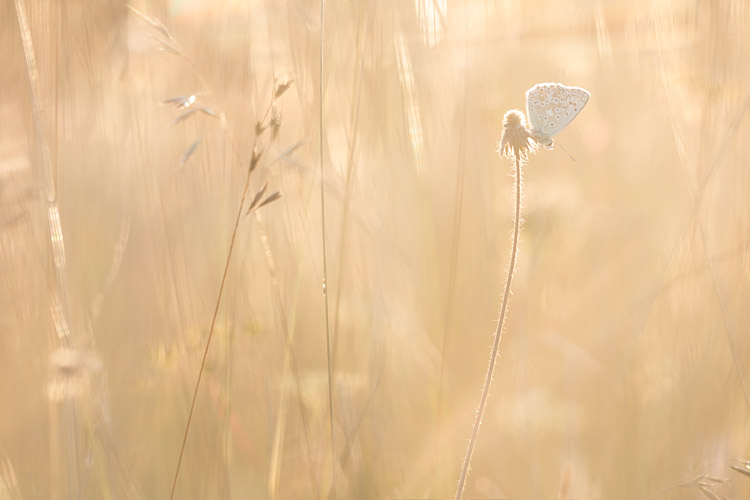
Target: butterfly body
550, 107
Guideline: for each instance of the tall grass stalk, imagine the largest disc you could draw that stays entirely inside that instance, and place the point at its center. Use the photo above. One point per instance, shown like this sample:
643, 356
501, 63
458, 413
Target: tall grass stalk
64, 430
60, 308
325, 258
515, 143
257, 154
458, 198
290, 365
271, 120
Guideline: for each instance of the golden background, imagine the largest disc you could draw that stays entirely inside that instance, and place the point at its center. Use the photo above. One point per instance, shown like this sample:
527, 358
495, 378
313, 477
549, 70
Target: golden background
624, 367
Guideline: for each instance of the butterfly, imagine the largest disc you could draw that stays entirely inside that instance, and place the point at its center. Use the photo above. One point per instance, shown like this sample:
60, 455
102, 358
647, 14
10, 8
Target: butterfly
550, 107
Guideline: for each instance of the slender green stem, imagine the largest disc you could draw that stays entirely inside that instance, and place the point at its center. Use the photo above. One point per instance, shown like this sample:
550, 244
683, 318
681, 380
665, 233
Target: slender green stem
498, 334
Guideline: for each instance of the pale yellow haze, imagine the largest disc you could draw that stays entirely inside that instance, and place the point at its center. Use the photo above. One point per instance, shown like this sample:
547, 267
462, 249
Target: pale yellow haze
346, 292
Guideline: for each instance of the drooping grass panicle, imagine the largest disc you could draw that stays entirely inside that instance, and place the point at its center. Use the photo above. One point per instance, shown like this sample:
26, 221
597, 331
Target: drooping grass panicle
260, 145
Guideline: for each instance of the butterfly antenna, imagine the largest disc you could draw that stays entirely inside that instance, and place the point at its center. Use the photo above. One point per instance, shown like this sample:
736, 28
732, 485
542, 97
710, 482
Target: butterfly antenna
566, 151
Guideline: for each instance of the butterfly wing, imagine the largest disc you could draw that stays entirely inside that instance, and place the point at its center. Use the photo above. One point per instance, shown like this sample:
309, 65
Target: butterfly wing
551, 106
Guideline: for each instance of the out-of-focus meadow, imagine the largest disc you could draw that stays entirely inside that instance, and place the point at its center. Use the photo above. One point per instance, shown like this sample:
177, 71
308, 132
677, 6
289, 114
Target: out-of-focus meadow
625, 363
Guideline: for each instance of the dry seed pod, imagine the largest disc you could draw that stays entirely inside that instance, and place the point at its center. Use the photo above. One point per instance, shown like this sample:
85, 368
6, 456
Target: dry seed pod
516, 140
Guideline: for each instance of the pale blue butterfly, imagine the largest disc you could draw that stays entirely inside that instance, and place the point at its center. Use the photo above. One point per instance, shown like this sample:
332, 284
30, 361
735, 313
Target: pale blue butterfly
550, 107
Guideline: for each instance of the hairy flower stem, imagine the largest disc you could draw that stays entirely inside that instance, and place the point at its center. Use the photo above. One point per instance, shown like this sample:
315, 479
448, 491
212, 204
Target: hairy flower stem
498, 332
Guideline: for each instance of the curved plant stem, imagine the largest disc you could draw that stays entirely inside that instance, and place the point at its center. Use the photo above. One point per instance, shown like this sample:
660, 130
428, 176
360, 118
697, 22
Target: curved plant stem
498, 334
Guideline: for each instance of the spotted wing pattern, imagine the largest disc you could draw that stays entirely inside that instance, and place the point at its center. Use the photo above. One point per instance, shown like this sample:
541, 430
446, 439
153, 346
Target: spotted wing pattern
551, 106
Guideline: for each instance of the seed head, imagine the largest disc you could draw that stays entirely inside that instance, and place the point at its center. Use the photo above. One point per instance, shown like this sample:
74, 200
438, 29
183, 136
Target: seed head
516, 138
281, 84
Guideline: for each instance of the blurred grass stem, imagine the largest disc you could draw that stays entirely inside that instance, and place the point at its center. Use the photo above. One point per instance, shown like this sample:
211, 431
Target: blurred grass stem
325, 259
63, 429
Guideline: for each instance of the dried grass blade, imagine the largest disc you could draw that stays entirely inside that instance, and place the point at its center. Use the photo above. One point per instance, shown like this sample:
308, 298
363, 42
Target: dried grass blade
710, 494
741, 470
53, 214
186, 156
287, 152
271, 198
207, 111
256, 198
114, 268
175, 100
157, 25
712, 480
167, 47
184, 115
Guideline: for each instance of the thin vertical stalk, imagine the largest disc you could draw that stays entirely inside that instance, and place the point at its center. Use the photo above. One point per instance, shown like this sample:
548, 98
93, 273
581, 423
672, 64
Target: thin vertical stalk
325, 260
455, 233
256, 155
63, 417
498, 332
291, 361
60, 307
